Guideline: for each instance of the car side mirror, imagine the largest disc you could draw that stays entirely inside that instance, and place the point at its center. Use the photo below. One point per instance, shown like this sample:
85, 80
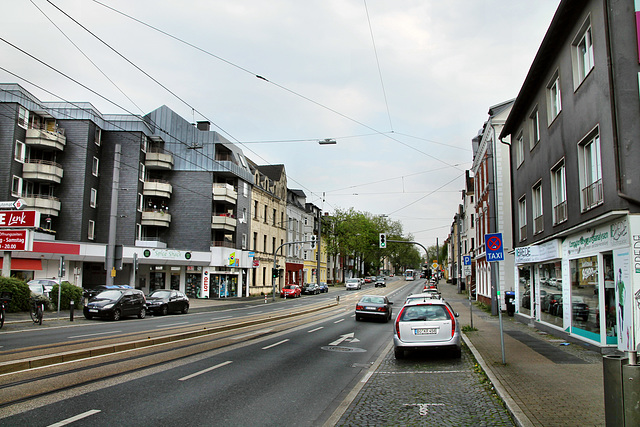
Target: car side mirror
456, 314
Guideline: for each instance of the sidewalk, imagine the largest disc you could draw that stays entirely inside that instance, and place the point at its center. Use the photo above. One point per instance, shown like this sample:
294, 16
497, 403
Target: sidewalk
544, 381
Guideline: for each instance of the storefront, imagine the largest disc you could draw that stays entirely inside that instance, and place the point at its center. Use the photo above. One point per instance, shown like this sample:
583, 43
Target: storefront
579, 284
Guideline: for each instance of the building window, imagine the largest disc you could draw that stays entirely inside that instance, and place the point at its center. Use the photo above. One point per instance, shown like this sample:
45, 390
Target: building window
534, 124
92, 230
23, 117
95, 166
265, 219
255, 209
522, 217
582, 48
243, 219
536, 198
144, 144
559, 193
519, 149
554, 98
590, 172
98, 136
16, 186
273, 245
138, 231
264, 243
255, 241
274, 217
94, 198
20, 152
140, 202
142, 172
244, 241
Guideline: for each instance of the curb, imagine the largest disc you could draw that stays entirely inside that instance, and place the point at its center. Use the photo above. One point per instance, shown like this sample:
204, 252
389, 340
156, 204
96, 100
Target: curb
514, 409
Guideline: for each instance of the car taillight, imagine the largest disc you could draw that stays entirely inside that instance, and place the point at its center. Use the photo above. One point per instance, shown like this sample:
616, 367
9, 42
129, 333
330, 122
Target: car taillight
453, 321
398, 322
382, 308
359, 307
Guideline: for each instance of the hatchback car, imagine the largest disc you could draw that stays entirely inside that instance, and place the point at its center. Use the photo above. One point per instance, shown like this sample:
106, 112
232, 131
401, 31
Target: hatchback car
324, 287
42, 286
353, 284
165, 301
430, 324
423, 297
380, 282
311, 289
116, 304
290, 291
374, 307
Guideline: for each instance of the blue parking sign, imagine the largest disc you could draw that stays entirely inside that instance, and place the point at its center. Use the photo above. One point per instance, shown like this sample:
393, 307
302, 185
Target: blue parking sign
466, 260
494, 247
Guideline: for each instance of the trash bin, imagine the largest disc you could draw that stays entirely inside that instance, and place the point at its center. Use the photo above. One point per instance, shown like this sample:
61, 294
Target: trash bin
509, 299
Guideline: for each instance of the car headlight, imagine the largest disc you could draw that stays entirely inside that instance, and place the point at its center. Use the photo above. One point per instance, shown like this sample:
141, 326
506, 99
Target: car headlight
107, 307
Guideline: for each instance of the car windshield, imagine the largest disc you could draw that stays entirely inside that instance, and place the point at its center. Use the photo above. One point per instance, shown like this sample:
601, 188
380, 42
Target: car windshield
353, 280
113, 295
424, 312
35, 288
160, 294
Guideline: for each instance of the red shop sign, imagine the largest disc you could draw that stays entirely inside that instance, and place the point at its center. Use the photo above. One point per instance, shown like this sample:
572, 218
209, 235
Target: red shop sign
19, 219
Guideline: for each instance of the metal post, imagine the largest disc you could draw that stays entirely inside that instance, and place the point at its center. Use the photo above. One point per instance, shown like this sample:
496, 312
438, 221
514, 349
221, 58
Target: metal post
318, 247
111, 245
6, 264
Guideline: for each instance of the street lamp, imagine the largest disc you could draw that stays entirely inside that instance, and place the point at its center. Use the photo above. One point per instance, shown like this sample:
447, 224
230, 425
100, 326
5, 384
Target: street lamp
327, 141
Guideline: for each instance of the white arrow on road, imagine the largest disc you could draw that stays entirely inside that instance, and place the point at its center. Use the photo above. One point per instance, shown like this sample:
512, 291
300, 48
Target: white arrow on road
345, 337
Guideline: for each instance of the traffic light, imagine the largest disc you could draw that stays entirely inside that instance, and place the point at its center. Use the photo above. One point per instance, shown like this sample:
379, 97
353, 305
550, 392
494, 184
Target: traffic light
383, 240
274, 272
314, 239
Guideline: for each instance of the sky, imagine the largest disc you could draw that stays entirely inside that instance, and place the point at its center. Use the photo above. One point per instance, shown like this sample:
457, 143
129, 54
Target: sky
402, 86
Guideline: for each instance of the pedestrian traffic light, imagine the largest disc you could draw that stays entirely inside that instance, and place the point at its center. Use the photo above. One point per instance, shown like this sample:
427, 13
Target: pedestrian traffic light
383, 240
313, 241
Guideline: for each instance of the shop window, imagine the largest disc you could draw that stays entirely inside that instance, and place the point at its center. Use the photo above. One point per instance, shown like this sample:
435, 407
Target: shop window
550, 279
584, 298
610, 299
524, 290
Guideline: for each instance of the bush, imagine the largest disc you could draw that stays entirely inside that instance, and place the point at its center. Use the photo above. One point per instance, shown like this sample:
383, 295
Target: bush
20, 293
69, 293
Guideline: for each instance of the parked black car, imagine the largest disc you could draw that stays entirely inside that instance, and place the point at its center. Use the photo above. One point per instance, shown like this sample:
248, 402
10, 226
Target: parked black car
92, 292
311, 289
164, 301
116, 303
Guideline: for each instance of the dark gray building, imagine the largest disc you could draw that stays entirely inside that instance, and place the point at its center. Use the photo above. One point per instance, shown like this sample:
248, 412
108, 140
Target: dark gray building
574, 131
182, 198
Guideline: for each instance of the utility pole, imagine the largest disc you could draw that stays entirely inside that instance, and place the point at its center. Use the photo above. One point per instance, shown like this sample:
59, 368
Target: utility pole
113, 217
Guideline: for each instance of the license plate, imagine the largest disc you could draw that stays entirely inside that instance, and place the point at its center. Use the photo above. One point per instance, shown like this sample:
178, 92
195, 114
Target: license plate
93, 310
371, 308
425, 331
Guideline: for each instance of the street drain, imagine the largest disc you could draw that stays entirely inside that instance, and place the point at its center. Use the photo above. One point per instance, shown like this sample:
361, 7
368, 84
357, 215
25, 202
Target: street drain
343, 349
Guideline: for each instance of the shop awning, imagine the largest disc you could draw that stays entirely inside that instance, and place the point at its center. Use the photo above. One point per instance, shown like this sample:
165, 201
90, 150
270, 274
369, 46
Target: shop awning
23, 264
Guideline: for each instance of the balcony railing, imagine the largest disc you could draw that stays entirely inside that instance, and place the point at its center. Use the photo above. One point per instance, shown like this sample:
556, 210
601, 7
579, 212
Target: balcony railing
157, 187
538, 224
156, 217
223, 222
42, 170
224, 192
46, 138
560, 212
46, 205
222, 244
592, 195
157, 158
523, 232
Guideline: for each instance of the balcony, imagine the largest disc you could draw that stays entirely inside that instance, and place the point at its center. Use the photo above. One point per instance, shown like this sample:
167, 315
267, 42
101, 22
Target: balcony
159, 160
46, 139
46, 205
157, 187
560, 212
223, 222
592, 195
523, 232
151, 242
538, 224
224, 192
42, 171
156, 217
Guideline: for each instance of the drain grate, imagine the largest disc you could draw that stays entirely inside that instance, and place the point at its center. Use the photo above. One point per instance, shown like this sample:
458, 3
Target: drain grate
340, 349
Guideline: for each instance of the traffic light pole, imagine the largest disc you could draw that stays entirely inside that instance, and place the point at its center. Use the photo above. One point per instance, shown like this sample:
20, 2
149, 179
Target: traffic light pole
273, 277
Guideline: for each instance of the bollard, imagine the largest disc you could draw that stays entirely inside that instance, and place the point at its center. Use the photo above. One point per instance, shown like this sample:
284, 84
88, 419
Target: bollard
338, 299
631, 394
613, 395
265, 298
71, 307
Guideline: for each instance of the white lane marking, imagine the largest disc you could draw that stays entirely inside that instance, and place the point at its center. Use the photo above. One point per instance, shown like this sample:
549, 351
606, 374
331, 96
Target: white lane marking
204, 371
316, 329
76, 418
93, 335
250, 334
172, 324
273, 345
343, 338
338, 321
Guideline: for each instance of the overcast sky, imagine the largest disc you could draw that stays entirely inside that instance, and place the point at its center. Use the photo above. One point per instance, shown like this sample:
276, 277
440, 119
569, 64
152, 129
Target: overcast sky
401, 85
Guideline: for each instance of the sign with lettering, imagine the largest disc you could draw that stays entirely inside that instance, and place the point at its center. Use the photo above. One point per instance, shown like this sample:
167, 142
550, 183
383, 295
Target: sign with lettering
494, 247
19, 219
15, 240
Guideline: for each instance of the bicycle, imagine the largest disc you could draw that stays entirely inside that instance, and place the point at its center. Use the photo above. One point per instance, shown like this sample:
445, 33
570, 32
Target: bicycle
5, 298
37, 310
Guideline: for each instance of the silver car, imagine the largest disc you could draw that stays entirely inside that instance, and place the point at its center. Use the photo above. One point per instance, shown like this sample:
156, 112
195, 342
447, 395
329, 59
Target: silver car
427, 324
353, 284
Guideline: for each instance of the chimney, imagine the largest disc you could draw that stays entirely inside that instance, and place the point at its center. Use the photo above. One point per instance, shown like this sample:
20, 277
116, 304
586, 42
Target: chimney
204, 125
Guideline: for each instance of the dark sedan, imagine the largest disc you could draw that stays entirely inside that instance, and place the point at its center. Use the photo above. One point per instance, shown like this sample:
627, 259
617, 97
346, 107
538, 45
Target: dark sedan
165, 301
374, 307
311, 289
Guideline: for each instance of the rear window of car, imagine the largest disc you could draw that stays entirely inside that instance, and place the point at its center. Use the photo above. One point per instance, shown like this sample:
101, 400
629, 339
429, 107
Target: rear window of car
372, 300
424, 313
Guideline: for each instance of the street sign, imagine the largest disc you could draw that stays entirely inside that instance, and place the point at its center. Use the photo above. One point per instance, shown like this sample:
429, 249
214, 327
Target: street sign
434, 265
19, 219
15, 240
494, 247
466, 260
15, 204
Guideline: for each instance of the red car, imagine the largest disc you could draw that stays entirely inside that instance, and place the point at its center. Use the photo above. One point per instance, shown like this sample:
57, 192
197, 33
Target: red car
290, 291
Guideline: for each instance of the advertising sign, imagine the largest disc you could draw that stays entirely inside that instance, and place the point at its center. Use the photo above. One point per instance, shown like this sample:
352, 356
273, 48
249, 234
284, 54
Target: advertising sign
19, 219
15, 240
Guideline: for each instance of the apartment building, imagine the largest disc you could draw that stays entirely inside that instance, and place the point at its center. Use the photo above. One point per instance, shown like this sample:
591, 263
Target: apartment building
492, 185
311, 261
156, 189
574, 159
296, 252
468, 234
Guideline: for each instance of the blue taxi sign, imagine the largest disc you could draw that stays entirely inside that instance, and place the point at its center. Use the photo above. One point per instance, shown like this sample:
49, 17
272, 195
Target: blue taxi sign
494, 247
